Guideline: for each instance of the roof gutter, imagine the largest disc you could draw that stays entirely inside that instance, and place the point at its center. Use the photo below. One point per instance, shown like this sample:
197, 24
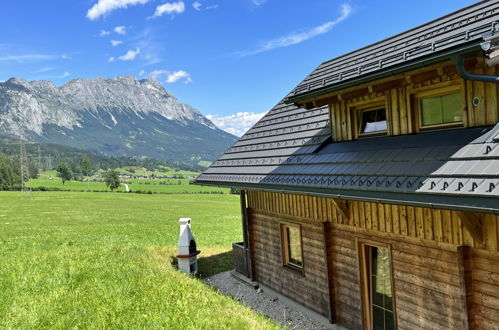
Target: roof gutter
417, 200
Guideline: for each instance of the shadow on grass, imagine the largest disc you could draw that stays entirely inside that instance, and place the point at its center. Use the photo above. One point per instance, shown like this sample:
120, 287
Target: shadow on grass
211, 263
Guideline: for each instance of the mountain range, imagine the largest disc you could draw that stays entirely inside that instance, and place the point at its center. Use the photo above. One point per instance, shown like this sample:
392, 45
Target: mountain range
113, 117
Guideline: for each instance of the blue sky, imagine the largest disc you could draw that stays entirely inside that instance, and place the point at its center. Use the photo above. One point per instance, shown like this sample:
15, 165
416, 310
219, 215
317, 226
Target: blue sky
231, 59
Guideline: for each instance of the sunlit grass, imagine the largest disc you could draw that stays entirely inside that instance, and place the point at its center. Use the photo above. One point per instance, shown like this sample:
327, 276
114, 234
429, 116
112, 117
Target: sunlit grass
104, 260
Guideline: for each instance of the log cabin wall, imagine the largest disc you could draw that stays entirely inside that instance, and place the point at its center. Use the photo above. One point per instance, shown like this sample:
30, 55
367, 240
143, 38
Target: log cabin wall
397, 95
434, 284
305, 287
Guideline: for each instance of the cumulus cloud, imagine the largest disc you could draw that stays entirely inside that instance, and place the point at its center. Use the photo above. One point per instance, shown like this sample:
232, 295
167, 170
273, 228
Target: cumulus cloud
104, 7
169, 8
237, 123
130, 55
116, 42
120, 29
298, 37
177, 75
104, 33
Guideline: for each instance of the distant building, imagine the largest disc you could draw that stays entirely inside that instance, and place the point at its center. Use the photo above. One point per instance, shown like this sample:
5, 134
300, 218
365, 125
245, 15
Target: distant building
370, 193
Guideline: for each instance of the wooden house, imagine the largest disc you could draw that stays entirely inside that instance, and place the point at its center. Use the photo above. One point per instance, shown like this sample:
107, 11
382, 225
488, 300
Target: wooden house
370, 193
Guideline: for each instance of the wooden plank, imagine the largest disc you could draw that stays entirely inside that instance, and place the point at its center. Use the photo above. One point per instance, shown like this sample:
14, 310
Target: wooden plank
490, 231
447, 226
465, 283
374, 216
428, 223
419, 222
388, 218
411, 221
437, 225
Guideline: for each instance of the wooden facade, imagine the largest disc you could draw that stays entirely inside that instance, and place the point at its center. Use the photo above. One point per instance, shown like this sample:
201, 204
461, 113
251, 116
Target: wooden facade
399, 93
443, 278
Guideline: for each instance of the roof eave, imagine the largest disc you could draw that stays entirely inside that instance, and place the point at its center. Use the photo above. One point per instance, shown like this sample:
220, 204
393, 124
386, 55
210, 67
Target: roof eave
302, 98
434, 201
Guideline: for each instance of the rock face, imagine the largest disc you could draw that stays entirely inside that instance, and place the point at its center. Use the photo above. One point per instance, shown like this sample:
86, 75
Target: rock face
115, 117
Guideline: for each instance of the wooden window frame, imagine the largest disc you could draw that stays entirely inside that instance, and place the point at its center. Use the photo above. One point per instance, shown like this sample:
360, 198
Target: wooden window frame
357, 112
363, 280
285, 246
436, 92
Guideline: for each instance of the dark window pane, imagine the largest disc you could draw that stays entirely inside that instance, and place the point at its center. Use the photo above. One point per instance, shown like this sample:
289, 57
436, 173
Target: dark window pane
372, 121
378, 319
389, 323
374, 259
376, 294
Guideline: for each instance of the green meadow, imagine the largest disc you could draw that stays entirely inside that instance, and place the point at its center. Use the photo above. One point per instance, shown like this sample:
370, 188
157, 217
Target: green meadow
50, 181
106, 260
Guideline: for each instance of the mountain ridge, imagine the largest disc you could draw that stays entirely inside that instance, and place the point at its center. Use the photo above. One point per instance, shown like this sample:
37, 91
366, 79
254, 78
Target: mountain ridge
111, 116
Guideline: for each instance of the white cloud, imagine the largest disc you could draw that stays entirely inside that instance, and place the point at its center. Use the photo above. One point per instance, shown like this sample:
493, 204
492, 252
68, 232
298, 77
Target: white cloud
104, 33
298, 37
120, 29
130, 55
258, 2
116, 42
27, 58
64, 75
212, 7
156, 73
238, 123
169, 8
197, 5
104, 7
177, 75
111, 59
142, 73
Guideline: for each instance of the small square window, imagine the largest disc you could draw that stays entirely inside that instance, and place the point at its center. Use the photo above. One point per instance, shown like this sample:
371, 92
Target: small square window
441, 110
372, 122
291, 245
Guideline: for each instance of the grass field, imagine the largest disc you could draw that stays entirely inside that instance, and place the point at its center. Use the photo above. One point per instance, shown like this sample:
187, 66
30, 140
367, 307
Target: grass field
104, 260
143, 185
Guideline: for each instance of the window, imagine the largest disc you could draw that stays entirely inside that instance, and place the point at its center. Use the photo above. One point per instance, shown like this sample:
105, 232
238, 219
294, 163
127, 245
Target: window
372, 122
377, 293
440, 110
291, 246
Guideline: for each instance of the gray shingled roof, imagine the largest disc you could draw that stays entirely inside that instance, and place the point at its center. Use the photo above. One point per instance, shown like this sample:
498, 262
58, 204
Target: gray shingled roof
290, 150
461, 30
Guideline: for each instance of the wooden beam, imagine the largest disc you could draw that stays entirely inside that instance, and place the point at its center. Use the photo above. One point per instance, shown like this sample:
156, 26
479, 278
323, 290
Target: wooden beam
342, 207
332, 306
473, 224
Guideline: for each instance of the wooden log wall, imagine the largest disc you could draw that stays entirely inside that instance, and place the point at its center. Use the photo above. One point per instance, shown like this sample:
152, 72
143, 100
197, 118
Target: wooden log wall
434, 286
425, 279
442, 226
397, 94
483, 294
308, 287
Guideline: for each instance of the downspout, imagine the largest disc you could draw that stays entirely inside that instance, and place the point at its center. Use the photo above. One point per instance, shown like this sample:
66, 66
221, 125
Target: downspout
490, 47
458, 60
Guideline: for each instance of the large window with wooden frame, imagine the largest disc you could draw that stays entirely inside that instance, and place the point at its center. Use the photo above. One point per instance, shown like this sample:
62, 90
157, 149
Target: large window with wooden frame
292, 252
439, 108
377, 286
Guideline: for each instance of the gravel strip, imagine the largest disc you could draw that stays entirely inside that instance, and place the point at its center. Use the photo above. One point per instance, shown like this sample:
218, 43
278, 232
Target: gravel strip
267, 305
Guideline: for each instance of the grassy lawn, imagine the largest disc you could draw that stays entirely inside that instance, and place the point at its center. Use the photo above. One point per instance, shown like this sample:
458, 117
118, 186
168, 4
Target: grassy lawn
104, 260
